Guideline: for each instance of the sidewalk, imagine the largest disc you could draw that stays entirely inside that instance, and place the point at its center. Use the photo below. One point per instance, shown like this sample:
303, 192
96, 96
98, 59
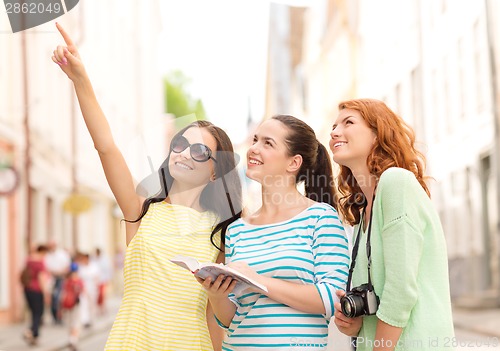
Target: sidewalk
52, 337
55, 338
481, 321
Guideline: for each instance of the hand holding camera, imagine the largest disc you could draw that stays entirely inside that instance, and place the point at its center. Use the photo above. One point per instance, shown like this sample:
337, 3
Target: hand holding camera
360, 301
346, 325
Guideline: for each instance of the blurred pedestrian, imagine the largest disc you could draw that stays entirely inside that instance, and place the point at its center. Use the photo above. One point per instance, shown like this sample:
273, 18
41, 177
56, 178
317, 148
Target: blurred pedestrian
163, 307
399, 298
70, 303
88, 271
57, 261
35, 279
105, 273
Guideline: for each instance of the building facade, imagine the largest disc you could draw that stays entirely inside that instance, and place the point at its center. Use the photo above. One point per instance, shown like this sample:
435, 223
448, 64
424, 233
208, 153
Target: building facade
433, 62
42, 133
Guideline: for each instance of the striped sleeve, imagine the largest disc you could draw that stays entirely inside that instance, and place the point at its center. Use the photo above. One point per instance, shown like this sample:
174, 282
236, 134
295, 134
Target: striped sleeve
331, 258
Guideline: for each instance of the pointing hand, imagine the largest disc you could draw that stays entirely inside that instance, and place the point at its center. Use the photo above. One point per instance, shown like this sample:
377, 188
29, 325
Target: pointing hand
67, 57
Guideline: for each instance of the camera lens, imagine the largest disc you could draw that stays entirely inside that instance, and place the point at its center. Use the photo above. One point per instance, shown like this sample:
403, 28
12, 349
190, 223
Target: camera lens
352, 305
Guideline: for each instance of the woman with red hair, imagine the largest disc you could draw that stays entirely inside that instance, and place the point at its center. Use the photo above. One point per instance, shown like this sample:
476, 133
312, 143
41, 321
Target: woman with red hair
398, 294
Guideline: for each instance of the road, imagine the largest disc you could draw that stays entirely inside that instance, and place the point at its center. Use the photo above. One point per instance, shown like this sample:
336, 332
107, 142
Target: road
472, 341
465, 341
94, 342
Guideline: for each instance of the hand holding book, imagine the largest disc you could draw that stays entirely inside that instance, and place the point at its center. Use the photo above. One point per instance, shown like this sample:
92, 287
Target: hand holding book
213, 270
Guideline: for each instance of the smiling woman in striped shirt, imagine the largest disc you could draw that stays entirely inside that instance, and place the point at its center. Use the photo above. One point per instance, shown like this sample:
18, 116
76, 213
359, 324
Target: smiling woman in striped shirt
294, 244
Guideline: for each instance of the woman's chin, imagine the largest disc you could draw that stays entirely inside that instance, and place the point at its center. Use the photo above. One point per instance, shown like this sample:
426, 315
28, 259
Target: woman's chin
251, 175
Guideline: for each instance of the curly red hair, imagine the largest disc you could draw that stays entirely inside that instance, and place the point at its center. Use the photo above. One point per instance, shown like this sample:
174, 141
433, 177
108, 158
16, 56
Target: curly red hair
394, 147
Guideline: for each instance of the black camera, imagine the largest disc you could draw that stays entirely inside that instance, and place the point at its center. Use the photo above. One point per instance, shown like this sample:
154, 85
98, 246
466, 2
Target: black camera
360, 301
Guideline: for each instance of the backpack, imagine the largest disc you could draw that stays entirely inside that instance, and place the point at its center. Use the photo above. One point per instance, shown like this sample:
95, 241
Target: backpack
25, 276
70, 293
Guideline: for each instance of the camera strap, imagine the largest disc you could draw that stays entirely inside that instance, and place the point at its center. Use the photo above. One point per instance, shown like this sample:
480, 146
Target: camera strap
368, 248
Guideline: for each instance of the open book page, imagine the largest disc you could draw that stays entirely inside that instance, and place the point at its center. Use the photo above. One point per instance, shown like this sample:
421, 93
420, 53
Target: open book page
213, 270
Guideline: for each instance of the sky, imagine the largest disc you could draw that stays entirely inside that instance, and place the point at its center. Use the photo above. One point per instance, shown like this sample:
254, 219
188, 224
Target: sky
221, 45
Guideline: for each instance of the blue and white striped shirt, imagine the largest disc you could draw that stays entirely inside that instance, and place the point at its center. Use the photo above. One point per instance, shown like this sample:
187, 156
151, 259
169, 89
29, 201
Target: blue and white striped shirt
310, 248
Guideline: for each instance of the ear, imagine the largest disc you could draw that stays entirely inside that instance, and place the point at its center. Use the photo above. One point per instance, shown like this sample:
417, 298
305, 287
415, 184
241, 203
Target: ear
212, 177
294, 164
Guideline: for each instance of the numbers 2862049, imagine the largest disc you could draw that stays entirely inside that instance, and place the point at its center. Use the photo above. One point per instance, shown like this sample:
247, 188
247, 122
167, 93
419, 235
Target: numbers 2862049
33, 7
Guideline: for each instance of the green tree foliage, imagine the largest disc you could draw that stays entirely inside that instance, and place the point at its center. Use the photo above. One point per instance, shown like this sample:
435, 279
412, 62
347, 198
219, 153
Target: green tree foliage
178, 101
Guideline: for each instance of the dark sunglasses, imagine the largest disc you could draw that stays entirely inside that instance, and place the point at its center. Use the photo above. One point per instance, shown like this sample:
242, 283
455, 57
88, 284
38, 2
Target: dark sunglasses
199, 152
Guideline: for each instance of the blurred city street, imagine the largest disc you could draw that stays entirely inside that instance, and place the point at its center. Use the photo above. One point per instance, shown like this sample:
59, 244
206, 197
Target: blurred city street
474, 330
434, 62
56, 337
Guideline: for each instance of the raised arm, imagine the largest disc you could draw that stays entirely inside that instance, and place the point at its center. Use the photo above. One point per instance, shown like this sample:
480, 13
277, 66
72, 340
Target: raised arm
115, 168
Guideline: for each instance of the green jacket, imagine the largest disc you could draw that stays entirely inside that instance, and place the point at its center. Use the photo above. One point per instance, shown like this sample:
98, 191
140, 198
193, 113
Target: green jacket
409, 266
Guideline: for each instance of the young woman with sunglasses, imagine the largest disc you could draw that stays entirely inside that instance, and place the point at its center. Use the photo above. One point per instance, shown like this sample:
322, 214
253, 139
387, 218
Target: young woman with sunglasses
294, 244
163, 307
384, 194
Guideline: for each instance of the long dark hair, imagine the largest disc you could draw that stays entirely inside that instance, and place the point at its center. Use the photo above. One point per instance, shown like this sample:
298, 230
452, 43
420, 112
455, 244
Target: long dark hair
227, 208
316, 169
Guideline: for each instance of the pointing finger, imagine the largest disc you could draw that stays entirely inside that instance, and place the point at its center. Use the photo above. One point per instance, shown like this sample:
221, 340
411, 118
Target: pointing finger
65, 35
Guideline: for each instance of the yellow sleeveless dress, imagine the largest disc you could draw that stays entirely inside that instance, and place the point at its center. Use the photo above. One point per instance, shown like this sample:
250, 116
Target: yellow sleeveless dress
163, 306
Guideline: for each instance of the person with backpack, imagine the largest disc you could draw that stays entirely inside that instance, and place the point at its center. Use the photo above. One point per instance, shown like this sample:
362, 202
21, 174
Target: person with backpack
70, 303
34, 278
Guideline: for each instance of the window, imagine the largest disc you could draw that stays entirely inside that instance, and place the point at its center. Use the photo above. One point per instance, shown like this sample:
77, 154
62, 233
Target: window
416, 103
461, 66
479, 68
